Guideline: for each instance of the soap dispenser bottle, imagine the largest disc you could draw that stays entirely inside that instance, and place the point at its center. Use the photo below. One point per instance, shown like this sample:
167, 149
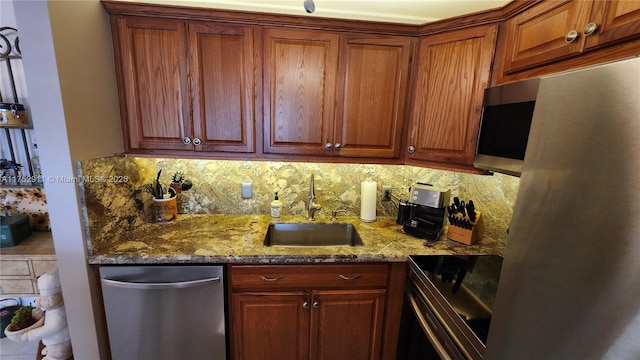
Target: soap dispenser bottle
276, 208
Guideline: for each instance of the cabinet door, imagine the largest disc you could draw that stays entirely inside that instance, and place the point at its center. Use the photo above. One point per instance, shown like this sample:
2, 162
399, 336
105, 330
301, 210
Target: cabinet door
222, 69
299, 90
347, 324
453, 73
538, 36
617, 20
371, 99
154, 99
271, 325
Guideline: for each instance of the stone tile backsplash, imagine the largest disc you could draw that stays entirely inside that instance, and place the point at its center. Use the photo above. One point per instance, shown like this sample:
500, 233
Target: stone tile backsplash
114, 188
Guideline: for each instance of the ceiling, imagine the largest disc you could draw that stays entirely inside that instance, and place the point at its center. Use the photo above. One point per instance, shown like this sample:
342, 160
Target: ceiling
414, 12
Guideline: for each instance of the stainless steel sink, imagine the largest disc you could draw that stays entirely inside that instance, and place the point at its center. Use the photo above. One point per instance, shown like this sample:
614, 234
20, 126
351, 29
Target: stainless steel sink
303, 234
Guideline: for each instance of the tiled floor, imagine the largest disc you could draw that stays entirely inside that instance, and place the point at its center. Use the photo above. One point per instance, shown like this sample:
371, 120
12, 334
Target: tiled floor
11, 350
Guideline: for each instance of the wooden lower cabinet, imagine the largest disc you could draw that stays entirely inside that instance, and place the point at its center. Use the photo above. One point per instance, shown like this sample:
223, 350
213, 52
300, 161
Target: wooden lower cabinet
302, 312
20, 277
270, 325
347, 324
21, 265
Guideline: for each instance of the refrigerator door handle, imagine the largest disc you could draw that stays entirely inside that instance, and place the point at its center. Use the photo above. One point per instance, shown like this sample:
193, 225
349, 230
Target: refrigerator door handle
160, 285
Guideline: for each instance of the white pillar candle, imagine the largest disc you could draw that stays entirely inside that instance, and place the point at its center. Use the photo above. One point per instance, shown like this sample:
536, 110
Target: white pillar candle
368, 191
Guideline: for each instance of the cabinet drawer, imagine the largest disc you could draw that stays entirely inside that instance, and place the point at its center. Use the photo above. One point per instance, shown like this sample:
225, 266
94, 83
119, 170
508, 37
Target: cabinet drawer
15, 268
273, 277
42, 266
16, 286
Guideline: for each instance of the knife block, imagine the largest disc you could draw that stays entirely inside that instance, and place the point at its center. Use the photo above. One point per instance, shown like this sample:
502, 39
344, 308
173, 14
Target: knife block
467, 236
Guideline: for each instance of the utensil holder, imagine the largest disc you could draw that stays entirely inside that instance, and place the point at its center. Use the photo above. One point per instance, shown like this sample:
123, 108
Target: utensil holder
166, 209
467, 236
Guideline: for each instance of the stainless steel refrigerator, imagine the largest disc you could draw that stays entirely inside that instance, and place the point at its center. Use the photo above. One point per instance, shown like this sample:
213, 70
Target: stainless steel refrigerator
570, 280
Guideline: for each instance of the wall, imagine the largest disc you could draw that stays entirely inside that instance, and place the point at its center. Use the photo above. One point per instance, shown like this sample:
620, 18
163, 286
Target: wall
68, 64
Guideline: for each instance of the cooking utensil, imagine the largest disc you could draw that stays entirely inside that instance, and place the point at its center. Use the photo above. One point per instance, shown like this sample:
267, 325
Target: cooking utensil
471, 212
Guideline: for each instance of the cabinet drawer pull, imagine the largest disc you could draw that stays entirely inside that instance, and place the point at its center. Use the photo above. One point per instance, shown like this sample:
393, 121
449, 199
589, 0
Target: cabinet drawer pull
264, 278
197, 141
590, 28
328, 146
411, 149
305, 305
186, 140
571, 36
316, 304
343, 277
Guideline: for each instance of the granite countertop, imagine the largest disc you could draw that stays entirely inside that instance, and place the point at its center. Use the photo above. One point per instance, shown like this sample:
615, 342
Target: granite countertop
239, 239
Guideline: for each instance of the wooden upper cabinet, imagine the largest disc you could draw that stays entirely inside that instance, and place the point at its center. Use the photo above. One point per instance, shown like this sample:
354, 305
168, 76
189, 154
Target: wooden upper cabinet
222, 67
556, 30
334, 95
453, 71
186, 86
616, 20
539, 35
299, 90
371, 96
152, 77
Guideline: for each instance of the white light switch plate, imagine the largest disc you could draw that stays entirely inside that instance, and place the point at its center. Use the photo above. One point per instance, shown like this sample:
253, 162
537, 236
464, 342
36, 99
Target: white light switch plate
246, 190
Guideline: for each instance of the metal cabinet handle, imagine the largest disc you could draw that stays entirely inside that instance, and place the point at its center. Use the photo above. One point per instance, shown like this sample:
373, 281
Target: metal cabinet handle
343, 277
186, 140
411, 149
590, 28
197, 141
338, 146
264, 278
305, 305
328, 146
316, 304
571, 36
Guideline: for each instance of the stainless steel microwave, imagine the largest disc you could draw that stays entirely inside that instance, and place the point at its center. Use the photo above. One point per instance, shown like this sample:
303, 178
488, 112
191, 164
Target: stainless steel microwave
507, 112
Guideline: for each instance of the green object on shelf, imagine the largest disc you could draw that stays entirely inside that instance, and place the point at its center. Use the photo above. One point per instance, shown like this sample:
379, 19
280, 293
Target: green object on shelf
14, 229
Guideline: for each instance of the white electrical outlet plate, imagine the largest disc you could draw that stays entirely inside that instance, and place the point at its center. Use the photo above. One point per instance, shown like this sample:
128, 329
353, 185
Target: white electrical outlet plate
246, 190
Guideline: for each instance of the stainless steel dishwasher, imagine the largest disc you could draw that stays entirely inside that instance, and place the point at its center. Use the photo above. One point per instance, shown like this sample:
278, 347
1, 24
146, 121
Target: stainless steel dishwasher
165, 312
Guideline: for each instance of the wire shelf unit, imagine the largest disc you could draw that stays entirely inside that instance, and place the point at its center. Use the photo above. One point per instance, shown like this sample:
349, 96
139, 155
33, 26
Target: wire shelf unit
19, 164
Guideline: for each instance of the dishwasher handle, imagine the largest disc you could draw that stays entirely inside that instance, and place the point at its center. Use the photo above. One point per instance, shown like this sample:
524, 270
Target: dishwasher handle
159, 285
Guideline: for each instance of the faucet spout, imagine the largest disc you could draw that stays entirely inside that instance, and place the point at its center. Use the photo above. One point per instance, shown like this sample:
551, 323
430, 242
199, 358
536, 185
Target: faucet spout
313, 206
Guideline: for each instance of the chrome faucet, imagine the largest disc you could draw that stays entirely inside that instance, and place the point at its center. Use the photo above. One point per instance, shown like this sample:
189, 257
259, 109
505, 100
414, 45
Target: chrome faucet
334, 214
313, 206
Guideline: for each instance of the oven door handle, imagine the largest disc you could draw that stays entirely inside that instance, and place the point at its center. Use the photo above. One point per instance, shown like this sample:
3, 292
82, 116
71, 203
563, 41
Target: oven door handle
439, 347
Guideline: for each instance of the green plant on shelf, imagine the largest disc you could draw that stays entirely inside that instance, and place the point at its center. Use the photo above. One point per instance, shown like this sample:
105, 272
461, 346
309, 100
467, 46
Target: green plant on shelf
22, 319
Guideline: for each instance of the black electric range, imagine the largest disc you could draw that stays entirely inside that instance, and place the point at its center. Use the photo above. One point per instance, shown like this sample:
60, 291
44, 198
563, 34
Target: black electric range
451, 297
